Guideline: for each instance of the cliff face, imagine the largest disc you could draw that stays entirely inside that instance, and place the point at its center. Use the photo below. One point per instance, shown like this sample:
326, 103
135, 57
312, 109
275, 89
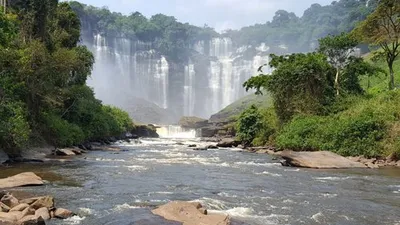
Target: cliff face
209, 79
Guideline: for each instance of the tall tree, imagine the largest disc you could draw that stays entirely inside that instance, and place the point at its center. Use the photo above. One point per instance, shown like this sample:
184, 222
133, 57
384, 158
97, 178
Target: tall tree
382, 28
338, 49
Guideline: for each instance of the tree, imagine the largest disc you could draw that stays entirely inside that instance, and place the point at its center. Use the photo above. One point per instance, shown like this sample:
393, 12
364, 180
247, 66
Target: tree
300, 84
249, 125
338, 49
382, 28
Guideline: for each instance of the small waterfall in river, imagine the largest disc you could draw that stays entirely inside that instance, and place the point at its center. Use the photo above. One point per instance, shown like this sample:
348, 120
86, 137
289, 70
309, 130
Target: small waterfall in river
173, 131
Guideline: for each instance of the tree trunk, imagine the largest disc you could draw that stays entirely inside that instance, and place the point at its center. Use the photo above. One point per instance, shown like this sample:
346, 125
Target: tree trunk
337, 81
391, 72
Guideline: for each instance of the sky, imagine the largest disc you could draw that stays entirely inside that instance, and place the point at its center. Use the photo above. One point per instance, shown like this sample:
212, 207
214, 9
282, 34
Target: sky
220, 14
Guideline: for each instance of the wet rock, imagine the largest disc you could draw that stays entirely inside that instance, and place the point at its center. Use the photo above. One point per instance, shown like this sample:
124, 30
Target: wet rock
203, 211
192, 146
212, 147
19, 207
23, 179
64, 152
319, 160
31, 220
9, 201
43, 212
27, 212
371, 165
46, 201
188, 213
200, 149
179, 143
63, 213
228, 143
4, 221
4, 207
392, 158
77, 151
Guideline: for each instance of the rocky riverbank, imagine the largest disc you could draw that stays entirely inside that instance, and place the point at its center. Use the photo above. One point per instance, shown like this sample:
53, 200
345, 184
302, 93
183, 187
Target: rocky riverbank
24, 208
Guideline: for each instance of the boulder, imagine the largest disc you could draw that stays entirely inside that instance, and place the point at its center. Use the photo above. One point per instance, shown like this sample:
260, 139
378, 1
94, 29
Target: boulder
188, 213
4, 221
319, 160
46, 201
192, 146
4, 207
27, 212
8, 216
392, 158
209, 131
200, 149
31, 220
23, 179
63, 213
192, 122
43, 212
64, 152
9, 201
228, 143
212, 147
20, 207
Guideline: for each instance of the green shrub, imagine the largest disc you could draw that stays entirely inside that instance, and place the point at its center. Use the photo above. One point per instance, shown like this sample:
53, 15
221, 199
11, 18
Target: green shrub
249, 125
14, 127
270, 124
121, 117
348, 136
61, 133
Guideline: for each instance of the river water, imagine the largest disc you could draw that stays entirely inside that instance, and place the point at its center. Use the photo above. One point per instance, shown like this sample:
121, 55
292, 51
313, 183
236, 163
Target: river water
120, 188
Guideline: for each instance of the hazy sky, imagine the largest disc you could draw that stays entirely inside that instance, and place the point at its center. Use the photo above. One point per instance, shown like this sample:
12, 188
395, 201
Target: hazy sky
220, 14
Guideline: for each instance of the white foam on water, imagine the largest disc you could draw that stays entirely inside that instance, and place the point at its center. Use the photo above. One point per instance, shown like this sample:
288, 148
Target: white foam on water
292, 170
269, 173
74, 220
319, 217
85, 211
224, 194
328, 195
211, 203
251, 163
124, 206
136, 168
110, 160
331, 178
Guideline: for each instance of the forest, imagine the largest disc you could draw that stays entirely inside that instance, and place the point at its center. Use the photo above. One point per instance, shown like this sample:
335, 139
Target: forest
174, 39
332, 99
44, 98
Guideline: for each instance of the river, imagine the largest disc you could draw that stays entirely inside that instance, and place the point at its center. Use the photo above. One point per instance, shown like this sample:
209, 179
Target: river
120, 188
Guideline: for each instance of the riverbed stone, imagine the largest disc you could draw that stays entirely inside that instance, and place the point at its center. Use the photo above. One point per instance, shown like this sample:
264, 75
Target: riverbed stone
188, 213
4, 207
31, 220
19, 207
65, 152
9, 201
22, 179
319, 160
63, 213
4, 221
228, 143
43, 212
46, 201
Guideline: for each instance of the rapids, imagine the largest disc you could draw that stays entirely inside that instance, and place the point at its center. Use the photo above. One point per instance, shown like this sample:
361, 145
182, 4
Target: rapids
120, 188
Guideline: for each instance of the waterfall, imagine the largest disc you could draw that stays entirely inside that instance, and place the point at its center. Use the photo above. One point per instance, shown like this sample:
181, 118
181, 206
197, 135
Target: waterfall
176, 132
210, 80
126, 68
189, 94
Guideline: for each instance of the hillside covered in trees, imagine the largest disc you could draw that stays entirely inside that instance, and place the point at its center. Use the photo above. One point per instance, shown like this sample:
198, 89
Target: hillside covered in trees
285, 33
331, 100
43, 73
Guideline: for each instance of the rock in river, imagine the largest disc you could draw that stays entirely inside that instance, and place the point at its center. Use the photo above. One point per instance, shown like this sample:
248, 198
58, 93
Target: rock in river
228, 143
23, 179
190, 213
319, 160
